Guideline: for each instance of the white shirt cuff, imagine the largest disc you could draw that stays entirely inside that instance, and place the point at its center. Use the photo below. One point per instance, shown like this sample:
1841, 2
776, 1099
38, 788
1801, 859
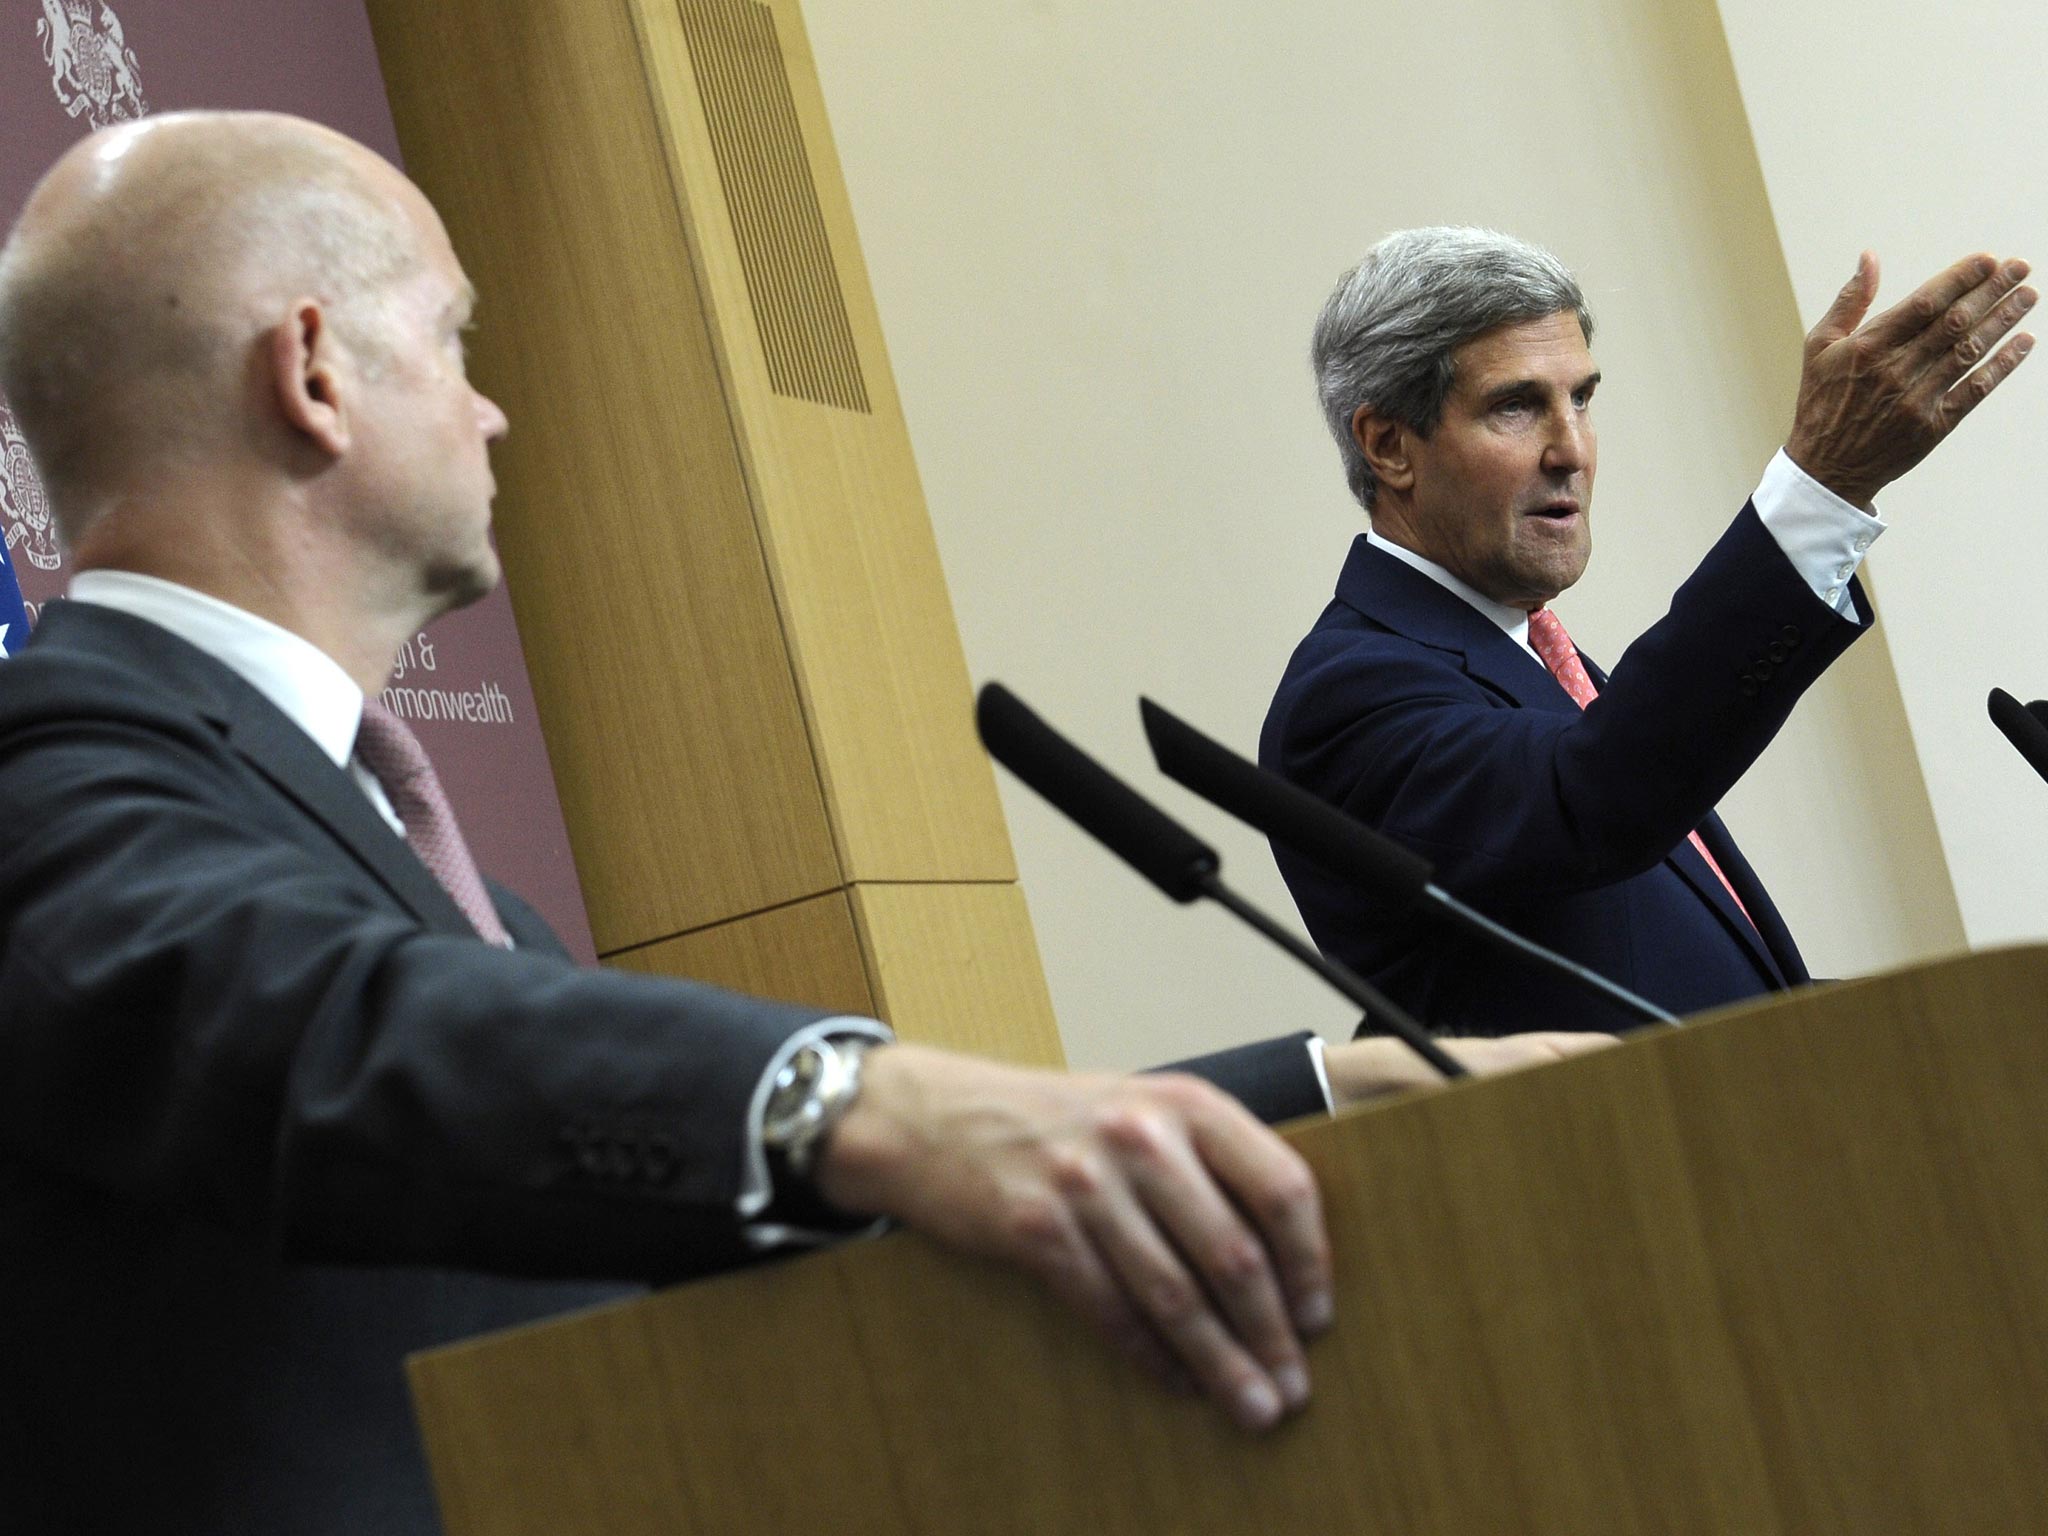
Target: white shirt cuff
757, 1189
1823, 536
1316, 1047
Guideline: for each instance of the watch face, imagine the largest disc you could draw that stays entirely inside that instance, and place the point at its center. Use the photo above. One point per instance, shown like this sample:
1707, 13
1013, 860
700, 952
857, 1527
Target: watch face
794, 1086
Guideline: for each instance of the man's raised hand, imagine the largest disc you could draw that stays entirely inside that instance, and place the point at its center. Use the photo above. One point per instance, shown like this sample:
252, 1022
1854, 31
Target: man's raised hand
1876, 397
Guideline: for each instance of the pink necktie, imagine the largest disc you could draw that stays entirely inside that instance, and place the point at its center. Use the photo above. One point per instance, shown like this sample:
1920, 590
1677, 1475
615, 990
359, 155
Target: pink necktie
397, 760
1548, 640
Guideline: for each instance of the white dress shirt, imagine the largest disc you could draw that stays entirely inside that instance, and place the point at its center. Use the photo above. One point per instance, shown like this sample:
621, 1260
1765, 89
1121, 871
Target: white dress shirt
307, 685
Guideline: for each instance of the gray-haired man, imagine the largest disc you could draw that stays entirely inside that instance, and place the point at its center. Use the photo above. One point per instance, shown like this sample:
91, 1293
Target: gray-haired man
1439, 699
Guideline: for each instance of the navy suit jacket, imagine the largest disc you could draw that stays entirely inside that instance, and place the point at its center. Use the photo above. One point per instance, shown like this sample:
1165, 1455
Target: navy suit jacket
1411, 710
272, 1116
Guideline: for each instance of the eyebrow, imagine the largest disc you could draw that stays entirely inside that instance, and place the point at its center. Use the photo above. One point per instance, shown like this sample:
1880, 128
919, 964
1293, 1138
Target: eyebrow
1515, 387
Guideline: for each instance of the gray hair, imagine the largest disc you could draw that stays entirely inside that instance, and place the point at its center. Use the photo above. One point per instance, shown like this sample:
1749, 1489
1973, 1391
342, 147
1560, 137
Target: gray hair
1386, 335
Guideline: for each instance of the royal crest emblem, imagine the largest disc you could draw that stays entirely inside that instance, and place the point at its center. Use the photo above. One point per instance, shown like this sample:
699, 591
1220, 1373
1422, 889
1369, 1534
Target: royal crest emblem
92, 68
24, 509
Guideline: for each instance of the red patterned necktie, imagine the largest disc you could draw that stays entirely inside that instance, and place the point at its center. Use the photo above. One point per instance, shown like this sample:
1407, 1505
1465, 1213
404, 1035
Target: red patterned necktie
1549, 641
399, 763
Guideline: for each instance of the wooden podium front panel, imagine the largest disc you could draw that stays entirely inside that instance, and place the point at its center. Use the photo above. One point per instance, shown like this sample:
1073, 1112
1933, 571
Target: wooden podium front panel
1783, 1271
630, 1468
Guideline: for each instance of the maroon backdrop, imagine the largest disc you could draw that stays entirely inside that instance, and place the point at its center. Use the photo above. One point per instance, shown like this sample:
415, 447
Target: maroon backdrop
68, 66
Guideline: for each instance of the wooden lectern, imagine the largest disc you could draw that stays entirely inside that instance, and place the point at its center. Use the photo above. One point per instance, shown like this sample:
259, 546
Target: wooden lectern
1785, 1270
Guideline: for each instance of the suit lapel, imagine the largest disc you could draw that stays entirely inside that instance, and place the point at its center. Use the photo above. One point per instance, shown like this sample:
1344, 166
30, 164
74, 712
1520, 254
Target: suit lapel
265, 738
1404, 600
287, 757
1769, 922
1686, 863
1401, 598
1695, 872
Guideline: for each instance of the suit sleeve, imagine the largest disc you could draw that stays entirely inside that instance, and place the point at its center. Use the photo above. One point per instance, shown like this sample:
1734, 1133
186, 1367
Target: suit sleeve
204, 1017
1519, 802
1274, 1079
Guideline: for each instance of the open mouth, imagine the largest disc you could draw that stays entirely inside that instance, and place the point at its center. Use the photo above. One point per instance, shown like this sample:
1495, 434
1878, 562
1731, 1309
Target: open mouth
1561, 511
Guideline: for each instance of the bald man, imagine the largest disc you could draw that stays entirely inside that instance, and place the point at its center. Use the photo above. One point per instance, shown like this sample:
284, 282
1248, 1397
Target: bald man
278, 1103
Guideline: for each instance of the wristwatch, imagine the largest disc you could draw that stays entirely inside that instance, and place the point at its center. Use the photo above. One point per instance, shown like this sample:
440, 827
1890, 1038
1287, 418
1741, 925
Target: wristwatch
810, 1095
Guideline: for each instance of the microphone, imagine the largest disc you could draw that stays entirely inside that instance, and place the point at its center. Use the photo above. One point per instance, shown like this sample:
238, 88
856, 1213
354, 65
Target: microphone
1346, 846
1158, 847
2023, 727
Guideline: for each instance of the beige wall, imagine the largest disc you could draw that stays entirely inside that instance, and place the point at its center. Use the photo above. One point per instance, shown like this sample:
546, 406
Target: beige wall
1942, 158
1098, 236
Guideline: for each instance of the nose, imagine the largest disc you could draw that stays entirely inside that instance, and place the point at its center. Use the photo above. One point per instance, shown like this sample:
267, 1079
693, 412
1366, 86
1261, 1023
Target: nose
489, 419
1569, 448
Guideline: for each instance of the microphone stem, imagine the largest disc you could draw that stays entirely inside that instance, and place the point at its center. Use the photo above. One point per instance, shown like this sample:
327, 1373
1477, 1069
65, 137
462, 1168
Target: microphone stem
1479, 922
1353, 986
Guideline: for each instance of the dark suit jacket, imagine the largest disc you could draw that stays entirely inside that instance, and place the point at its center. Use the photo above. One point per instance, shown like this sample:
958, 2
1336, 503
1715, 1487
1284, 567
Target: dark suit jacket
1411, 710
272, 1116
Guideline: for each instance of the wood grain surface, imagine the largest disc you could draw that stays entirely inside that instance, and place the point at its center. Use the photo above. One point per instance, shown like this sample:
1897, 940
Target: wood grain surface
956, 965
731, 602
650, 627
1782, 1271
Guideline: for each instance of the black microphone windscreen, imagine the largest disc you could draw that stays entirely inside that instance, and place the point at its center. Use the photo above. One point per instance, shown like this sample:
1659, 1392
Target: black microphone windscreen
1131, 827
1285, 812
2023, 729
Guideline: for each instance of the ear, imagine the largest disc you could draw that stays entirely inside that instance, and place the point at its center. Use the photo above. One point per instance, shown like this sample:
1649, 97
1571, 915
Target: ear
304, 373
1386, 446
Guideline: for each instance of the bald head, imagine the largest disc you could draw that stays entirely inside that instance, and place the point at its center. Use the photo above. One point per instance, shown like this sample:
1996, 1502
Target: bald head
146, 268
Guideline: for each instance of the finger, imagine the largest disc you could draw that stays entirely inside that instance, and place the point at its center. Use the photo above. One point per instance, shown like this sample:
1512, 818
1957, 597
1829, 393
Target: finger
1508, 1052
1968, 343
1930, 301
1850, 305
1973, 391
1578, 1042
1067, 1263
1270, 1183
1181, 1193
1375, 1066
1162, 1290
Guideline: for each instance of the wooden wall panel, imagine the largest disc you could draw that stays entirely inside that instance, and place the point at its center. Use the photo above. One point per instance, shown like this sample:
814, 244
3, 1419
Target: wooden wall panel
807, 952
956, 965
842, 513
731, 600
651, 632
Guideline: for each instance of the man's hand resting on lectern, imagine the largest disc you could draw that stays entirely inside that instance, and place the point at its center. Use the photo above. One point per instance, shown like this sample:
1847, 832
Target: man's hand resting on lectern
1380, 1065
1157, 1207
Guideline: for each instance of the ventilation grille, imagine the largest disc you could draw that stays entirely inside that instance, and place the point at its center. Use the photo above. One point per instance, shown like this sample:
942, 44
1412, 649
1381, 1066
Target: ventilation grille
799, 309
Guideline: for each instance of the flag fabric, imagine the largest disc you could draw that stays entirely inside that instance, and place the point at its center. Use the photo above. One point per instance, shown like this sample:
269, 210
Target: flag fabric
13, 615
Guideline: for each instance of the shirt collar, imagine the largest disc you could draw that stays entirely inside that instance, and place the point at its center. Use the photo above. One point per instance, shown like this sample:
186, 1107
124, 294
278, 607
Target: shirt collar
1512, 622
302, 680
